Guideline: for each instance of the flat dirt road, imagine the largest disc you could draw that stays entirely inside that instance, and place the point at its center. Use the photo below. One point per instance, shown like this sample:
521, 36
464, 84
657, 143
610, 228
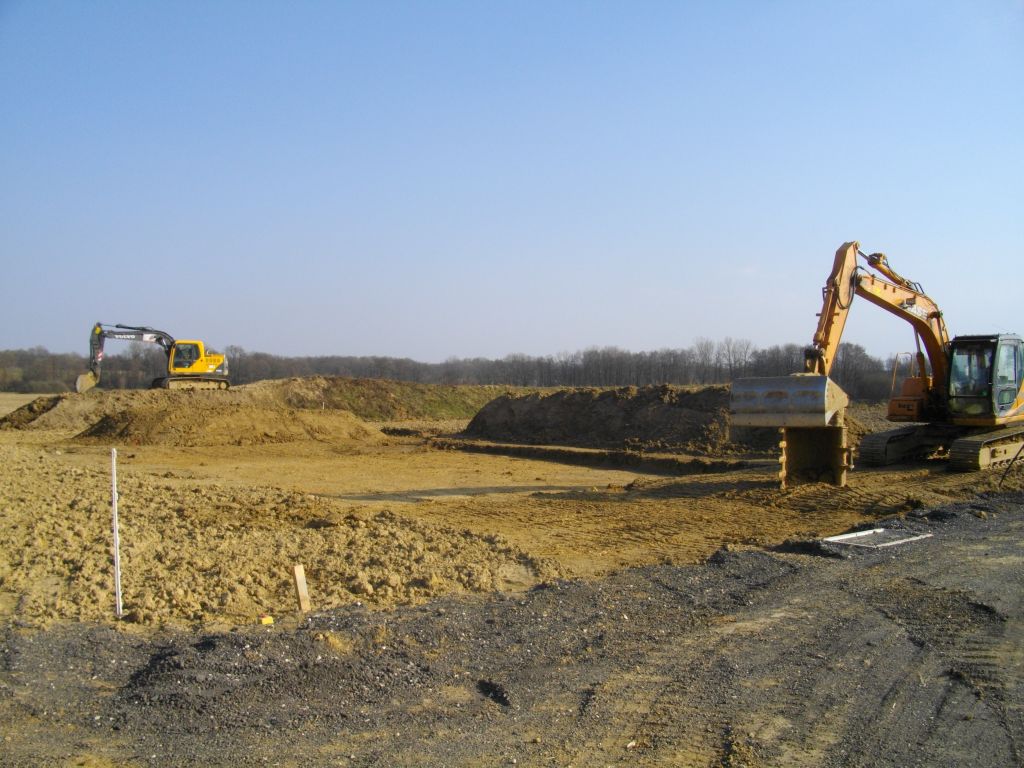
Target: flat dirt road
485, 609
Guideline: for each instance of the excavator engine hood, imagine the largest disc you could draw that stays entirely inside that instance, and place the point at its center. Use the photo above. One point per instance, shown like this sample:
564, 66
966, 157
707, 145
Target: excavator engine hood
799, 400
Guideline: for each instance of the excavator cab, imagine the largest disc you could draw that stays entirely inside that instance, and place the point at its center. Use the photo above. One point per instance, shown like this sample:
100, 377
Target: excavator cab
184, 355
985, 376
190, 362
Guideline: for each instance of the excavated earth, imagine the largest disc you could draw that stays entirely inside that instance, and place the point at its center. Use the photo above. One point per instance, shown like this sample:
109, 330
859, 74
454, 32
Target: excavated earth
651, 418
559, 606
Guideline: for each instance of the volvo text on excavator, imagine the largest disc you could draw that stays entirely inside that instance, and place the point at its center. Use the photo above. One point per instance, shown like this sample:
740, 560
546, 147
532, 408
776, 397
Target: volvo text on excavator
964, 400
190, 365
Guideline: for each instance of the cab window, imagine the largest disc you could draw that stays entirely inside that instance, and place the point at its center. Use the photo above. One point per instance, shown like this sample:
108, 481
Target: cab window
1008, 373
1020, 364
1006, 366
185, 355
971, 371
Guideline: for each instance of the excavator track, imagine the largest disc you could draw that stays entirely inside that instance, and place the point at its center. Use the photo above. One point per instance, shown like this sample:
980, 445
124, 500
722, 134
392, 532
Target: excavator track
880, 449
992, 448
893, 446
190, 382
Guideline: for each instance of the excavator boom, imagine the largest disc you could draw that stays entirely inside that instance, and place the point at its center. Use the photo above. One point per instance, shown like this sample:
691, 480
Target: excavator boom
800, 404
886, 289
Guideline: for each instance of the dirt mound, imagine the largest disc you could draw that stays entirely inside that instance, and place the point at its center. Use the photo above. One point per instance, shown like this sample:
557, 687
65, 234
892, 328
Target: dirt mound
241, 416
193, 553
328, 408
378, 399
25, 414
662, 418
865, 419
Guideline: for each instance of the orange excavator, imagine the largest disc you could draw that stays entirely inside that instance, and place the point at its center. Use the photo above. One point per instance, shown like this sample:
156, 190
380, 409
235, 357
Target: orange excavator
964, 399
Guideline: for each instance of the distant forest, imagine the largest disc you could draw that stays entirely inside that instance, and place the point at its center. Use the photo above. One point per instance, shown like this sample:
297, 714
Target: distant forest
707, 362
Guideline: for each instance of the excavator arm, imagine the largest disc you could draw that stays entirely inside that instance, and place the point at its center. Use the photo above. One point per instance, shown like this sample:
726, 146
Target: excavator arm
809, 407
965, 400
98, 337
888, 290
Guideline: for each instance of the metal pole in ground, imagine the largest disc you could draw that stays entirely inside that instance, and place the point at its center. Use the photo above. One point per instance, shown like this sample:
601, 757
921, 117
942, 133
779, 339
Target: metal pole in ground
117, 535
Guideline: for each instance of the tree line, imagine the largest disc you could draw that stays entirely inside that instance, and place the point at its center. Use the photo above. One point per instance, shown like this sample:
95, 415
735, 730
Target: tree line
706, 362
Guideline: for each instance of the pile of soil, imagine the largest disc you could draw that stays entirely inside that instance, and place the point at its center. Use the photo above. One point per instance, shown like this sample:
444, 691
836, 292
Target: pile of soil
657, 418
240, 416
665, 418
325, 408
195, 554
865, 419
379, 399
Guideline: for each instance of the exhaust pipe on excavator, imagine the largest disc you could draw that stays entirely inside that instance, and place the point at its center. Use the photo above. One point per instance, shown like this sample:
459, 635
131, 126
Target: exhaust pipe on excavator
809, 410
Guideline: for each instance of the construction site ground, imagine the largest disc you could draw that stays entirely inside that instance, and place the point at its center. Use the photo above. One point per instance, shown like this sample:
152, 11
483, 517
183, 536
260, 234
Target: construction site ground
480, 603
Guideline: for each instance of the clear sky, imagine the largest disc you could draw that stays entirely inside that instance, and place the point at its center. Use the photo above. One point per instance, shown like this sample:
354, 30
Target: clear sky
436, 179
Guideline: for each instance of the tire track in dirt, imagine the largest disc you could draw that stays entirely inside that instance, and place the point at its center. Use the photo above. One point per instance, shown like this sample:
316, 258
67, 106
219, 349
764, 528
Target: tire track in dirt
973, 642
678, 719
813, 707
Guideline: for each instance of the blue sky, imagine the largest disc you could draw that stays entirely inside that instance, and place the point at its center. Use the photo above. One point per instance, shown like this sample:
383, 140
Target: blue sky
437, 179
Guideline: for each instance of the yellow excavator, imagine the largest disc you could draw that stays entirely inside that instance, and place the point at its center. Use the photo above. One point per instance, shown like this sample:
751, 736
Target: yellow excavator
964, 399
190, 365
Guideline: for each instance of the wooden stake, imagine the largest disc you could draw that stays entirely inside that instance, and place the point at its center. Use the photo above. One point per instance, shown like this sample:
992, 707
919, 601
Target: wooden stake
117, 537
300, 588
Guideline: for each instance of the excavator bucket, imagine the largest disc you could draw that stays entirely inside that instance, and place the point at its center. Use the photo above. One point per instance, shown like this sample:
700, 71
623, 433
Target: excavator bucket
800, 400
86, 381
809, 410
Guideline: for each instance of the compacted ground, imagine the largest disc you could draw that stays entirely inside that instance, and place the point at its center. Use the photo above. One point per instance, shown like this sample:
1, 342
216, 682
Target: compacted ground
485, 609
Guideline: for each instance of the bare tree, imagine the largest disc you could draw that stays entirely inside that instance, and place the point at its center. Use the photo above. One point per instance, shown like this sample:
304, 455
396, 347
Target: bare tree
736, 355
704, 352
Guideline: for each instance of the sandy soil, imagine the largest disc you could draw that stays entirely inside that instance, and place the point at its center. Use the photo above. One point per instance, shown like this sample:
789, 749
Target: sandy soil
10, 401
222, 493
